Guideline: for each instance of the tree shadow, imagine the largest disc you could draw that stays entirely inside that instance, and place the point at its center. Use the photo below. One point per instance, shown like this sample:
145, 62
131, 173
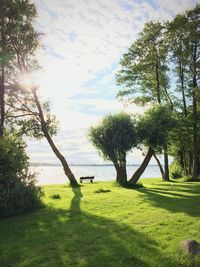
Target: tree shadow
176, 198
59, 237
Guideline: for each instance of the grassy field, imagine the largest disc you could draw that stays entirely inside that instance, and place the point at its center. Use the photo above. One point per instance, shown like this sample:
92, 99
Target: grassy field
102, 224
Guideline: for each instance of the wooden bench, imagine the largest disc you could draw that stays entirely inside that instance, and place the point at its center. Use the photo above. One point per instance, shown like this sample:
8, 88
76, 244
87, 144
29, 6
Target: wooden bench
91, 178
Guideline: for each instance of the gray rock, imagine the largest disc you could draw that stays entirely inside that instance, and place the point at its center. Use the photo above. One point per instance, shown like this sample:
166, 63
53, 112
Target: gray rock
189, 246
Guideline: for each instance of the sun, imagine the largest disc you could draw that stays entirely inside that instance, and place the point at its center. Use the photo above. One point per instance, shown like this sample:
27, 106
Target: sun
26, 80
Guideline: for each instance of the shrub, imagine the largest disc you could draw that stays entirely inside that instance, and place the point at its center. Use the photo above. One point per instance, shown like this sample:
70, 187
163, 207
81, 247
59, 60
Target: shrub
18, 192
175, 170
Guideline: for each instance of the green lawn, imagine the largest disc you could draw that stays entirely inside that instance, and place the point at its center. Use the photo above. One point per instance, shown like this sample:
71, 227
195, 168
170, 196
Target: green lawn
120, 227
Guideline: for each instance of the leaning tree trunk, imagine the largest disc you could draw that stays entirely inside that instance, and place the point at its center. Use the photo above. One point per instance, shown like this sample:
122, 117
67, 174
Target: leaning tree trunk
160, 166
136, 176
62, 159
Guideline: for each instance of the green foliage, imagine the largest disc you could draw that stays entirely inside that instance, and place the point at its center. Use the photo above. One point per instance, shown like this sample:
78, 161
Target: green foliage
13, 160
20, 197
114, 137
18, 192
175, 170
20, 40
154, 127
30, 125
164, 55
143, 70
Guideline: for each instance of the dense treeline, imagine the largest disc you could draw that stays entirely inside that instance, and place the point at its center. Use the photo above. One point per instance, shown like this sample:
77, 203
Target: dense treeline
162, 66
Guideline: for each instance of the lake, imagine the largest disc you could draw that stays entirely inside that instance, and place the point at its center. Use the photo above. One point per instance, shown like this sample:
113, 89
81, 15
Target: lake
55, 174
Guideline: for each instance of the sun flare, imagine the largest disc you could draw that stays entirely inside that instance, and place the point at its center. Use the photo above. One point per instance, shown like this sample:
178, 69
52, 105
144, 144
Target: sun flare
27, 81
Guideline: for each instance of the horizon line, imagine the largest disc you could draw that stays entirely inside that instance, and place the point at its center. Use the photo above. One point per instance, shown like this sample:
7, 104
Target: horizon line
81, 164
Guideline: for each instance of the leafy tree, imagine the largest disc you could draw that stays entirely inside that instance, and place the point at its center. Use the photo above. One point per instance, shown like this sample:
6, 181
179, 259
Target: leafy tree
19, 42
184, 47
193, 62
144, 70
113, 138
162, 66
34, 119
153, 130
175, 37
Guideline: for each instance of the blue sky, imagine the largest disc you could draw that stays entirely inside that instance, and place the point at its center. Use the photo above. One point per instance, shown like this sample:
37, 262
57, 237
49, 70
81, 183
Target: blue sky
81, 48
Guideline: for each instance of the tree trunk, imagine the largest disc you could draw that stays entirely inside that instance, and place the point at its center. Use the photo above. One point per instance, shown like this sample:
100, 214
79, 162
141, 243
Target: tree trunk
190, 162
136, 176
2, 102
184, 160
160, 166
195, 155
181, 75
198, 166
194, 109
157, 83
166, 164
62, 159
2, 80
121, 176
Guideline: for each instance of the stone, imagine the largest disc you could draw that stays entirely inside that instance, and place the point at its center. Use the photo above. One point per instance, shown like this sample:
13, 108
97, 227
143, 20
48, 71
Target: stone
189, 246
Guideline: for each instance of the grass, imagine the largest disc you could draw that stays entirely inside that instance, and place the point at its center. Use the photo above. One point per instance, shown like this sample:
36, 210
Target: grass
114, 227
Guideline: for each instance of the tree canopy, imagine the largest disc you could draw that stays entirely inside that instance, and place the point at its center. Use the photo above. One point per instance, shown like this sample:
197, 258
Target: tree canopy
162, 67
113, 137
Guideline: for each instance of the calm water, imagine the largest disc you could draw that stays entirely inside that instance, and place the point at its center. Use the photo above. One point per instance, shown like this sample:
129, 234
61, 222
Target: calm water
55, 175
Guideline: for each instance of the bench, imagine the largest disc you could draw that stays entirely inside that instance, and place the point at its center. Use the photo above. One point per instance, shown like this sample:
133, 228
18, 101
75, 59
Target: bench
91, 178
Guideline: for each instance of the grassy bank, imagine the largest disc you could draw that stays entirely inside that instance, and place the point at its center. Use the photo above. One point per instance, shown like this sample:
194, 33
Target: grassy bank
110, 227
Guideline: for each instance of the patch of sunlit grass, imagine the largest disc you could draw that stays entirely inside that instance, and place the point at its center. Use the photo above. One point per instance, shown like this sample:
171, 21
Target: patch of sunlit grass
124, 227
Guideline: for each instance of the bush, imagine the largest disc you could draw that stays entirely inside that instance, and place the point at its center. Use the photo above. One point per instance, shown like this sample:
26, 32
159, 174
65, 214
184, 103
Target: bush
175, 170
18, 192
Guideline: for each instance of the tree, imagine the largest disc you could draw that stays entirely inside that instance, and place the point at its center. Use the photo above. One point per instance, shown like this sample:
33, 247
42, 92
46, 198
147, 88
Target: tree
19, 42
113, 138
45, 131
144, 70
193, 61
34, 119
184, 48
175, 37
153, 130
162, 66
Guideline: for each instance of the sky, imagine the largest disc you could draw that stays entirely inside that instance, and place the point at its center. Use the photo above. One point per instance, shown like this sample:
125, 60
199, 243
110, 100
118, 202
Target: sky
81, 47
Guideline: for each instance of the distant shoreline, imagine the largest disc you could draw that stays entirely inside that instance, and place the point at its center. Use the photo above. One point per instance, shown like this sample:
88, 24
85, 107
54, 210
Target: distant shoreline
95, 165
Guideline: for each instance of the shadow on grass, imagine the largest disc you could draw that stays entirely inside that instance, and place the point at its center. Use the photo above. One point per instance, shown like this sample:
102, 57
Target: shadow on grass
58, 237
175, 198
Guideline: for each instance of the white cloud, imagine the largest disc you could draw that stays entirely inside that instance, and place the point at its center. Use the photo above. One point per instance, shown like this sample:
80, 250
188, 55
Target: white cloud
83, 40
